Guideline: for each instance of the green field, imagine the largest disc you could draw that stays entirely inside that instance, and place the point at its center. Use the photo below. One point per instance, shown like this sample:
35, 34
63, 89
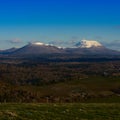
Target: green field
77, 111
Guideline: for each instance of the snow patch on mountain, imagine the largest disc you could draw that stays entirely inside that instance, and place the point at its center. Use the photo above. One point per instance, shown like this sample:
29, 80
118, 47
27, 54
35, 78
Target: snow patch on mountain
88, 44
81, 44
43, 44
38, 43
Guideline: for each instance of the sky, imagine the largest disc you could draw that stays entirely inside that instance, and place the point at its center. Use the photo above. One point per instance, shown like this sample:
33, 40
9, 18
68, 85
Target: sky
24, 21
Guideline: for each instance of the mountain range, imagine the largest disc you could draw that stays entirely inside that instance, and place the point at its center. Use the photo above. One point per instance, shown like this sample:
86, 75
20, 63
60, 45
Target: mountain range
84, 47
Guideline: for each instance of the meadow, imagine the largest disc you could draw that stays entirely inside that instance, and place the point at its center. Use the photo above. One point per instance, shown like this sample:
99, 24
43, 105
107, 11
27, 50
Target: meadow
71, 111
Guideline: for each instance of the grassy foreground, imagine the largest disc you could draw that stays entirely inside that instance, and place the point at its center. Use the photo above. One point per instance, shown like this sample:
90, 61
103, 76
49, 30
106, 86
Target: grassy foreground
77, 111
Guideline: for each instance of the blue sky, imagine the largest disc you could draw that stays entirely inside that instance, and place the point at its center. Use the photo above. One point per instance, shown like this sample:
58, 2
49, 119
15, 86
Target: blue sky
23, 21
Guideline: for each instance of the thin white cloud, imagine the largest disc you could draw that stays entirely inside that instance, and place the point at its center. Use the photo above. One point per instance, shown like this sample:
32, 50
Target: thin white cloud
15, 41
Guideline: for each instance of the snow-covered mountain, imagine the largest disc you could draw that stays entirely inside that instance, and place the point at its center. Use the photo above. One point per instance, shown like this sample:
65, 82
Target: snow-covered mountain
88, 44
84, 47
91, 47
37, 48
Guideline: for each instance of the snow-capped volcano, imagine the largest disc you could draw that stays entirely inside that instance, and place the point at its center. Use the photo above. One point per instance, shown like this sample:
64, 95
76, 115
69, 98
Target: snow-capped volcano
38, 48
91, 47
84, 47
88, 44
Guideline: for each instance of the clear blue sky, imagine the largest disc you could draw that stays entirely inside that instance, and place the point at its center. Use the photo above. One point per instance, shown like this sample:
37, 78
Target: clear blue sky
22, 21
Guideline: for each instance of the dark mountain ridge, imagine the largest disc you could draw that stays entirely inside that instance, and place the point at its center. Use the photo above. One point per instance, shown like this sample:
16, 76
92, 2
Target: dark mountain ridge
86, 48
